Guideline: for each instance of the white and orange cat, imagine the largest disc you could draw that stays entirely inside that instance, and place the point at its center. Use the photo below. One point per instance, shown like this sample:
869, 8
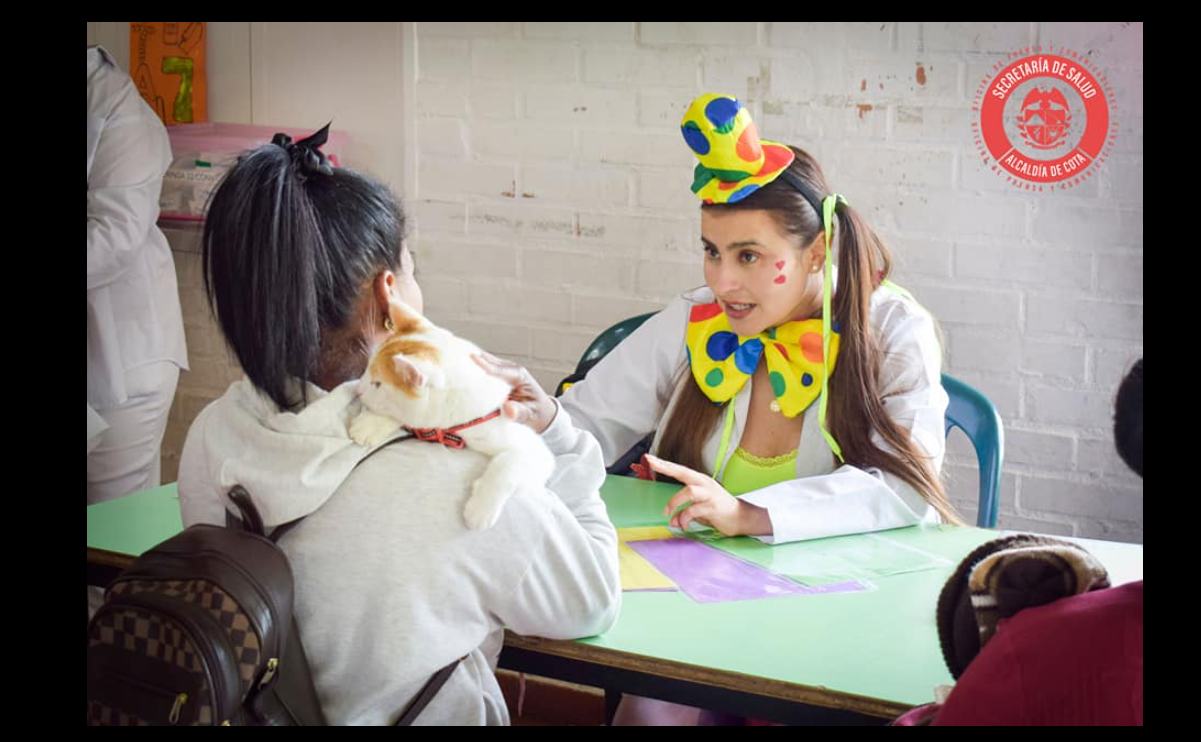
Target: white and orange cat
423, 377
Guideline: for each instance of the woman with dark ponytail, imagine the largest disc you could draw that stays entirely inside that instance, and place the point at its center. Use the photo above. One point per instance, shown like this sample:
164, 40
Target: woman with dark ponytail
840, 428
302, 262
288, 245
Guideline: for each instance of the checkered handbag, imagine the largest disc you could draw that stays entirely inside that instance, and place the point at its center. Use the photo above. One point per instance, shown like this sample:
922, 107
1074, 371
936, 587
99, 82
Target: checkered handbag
199, 631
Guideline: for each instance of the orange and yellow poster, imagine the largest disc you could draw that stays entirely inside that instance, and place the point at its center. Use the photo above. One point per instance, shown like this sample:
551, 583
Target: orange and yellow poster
166, 62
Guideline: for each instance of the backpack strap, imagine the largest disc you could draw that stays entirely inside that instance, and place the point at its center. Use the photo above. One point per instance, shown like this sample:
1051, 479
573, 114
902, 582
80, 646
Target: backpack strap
422, 699
250, 521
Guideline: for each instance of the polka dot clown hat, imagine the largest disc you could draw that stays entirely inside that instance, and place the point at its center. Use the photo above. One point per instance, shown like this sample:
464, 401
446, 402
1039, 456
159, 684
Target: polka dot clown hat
734, 161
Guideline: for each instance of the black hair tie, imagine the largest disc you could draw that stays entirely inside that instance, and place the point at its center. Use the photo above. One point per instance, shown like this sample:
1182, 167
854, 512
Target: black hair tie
306, 154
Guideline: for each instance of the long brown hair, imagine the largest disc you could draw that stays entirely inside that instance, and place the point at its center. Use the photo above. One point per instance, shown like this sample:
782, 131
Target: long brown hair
855, 410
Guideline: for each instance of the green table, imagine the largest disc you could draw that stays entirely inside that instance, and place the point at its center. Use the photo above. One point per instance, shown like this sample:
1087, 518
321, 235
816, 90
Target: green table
121, 529
857, 657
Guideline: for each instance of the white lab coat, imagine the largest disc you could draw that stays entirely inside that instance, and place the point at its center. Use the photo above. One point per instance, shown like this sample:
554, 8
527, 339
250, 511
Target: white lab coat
134, 316
631, 390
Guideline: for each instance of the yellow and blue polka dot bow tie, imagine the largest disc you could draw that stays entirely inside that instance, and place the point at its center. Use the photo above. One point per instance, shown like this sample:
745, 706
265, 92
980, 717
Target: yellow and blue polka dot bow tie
722, 361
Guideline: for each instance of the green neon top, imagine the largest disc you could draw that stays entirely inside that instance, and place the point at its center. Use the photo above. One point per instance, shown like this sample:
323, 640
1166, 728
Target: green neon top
746, 472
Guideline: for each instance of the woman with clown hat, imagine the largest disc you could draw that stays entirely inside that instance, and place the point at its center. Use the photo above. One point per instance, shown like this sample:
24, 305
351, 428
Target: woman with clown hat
796, 395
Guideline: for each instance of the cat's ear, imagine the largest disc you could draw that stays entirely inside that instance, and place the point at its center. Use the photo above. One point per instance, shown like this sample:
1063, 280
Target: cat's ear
404, 318
409, 375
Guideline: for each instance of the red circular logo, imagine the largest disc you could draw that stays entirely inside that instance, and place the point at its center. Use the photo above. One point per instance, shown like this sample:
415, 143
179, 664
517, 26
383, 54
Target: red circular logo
1046, 120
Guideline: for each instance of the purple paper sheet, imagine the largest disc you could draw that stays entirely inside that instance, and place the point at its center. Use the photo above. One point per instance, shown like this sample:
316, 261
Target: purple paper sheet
708, 575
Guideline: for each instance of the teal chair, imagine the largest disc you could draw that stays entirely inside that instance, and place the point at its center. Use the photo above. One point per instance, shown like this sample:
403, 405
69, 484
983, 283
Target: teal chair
608, 340
975, 415
600, 347
968, 410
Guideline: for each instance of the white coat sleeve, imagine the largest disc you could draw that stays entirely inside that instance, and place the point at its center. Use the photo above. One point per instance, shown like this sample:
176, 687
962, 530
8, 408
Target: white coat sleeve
124, 182
624, 396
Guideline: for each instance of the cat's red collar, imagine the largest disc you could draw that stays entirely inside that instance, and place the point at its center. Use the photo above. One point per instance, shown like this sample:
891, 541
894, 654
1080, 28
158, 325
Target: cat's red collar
446, 436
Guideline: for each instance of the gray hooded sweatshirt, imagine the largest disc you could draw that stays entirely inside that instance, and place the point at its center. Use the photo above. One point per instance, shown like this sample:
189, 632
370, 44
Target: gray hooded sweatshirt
391, 585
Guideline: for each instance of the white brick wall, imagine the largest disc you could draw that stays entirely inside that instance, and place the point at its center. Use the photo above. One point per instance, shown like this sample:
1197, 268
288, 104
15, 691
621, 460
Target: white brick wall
549, 195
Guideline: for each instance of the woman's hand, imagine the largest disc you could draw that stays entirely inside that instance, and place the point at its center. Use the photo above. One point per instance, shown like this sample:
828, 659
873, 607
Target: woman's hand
528, 403
704, 500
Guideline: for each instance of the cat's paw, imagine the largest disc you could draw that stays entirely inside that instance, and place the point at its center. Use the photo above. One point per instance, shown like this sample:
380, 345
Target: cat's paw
370, 429
488, 497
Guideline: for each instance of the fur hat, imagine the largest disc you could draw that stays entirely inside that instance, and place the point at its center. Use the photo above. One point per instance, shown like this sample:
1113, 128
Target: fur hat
1002, 577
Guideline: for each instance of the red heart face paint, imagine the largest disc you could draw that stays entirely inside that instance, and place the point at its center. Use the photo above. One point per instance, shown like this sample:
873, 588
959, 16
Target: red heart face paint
780, 278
